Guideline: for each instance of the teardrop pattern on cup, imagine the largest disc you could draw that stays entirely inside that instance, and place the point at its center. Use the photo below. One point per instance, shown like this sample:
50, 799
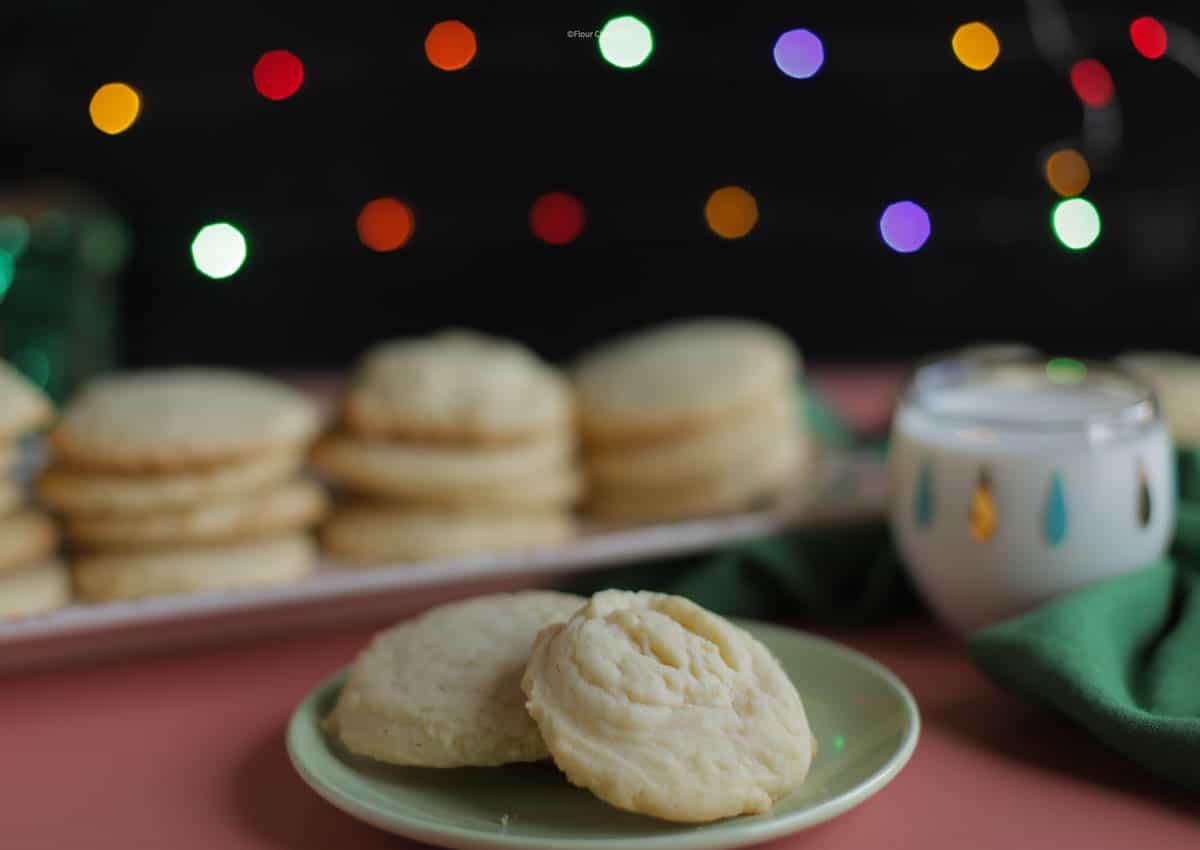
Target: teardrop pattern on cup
1054, 517
923, 502
981, 517
1144, 503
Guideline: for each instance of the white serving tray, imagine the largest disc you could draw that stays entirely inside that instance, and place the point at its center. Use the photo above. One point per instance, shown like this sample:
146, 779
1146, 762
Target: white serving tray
845, 487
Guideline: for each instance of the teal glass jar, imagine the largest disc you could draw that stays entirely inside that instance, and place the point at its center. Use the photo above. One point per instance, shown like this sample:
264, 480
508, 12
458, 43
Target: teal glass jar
62, 252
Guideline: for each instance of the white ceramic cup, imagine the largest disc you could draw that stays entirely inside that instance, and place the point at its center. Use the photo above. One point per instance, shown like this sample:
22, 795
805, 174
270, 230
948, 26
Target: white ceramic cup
1016, 479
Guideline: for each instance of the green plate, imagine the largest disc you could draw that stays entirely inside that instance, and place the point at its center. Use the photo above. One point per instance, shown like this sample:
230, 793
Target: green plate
865, 720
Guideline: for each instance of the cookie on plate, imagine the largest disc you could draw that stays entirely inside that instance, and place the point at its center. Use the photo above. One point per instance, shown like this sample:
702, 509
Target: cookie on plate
372, 533
36, 588
12, 496
459, 386
444, 689
766, 470
9, 454
660, 707
92, 493
706, 454
680, 378
23, 407
25, 537
288, 507
113, 576
538, 475
180, 419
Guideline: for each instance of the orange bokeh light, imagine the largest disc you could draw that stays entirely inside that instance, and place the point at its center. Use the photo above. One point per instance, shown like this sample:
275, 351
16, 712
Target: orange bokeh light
450, 45
731, 212
385, 224
1067, 172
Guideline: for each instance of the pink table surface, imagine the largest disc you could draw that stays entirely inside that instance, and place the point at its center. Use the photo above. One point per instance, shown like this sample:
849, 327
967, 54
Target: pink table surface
187, 751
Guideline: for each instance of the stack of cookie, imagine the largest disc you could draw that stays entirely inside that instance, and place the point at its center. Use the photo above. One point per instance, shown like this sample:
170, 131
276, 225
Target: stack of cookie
689, 419
32, 581
452, 444
184, 480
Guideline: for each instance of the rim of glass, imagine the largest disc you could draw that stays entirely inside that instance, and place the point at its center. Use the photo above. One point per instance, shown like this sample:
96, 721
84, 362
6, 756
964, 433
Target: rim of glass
1138, 409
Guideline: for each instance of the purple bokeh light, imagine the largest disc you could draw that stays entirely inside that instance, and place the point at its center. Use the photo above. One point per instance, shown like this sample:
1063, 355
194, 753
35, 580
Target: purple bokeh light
799, 53
904, 226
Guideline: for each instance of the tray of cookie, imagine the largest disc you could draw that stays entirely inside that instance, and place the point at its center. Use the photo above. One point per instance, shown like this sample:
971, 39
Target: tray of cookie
170, 507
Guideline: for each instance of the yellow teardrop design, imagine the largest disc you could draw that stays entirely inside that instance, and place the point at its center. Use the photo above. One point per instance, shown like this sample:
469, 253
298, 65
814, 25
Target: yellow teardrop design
982, 515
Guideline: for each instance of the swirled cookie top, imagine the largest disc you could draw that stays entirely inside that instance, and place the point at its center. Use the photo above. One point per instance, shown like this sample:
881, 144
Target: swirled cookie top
659, 706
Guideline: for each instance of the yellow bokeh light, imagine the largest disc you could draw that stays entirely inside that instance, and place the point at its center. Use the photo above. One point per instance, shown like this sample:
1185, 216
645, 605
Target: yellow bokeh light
731, 212
114, 108
975, 45
1067, 172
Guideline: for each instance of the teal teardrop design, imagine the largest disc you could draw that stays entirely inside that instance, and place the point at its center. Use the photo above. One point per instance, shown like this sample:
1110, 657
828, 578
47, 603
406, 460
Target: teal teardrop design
924, 500
1054, 523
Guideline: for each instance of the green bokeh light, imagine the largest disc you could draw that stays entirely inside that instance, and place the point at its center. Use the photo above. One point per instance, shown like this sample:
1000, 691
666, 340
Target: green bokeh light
219, 250
1076, 223
839, 742
625, 42
8, 270
1065, 370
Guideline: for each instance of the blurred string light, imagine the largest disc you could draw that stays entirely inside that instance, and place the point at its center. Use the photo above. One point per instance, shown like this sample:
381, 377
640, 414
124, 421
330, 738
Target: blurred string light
1050, 26
278, 74
1052, 33
1067, 172
450, 45
1183, 46
731, 212
556, 218
219, 250
625, 42
799, 53
1092, 82
905, 226
385, 224
115, 107
1149, 37
975, 45
1076, 223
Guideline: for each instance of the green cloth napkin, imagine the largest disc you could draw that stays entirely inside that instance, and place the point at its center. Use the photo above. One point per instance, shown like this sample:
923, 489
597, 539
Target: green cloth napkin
1122, 658
844, 575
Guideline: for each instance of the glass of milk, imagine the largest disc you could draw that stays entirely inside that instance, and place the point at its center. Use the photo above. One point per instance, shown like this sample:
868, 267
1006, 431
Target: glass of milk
1014, 479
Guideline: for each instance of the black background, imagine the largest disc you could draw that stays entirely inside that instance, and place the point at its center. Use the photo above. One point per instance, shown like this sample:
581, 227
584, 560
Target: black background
892, 115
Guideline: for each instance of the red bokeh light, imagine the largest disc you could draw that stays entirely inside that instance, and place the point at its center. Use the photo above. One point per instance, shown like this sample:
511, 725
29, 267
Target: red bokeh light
1149, 37
385, 224
278, 74
450, 45
1092, 82
557, 218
